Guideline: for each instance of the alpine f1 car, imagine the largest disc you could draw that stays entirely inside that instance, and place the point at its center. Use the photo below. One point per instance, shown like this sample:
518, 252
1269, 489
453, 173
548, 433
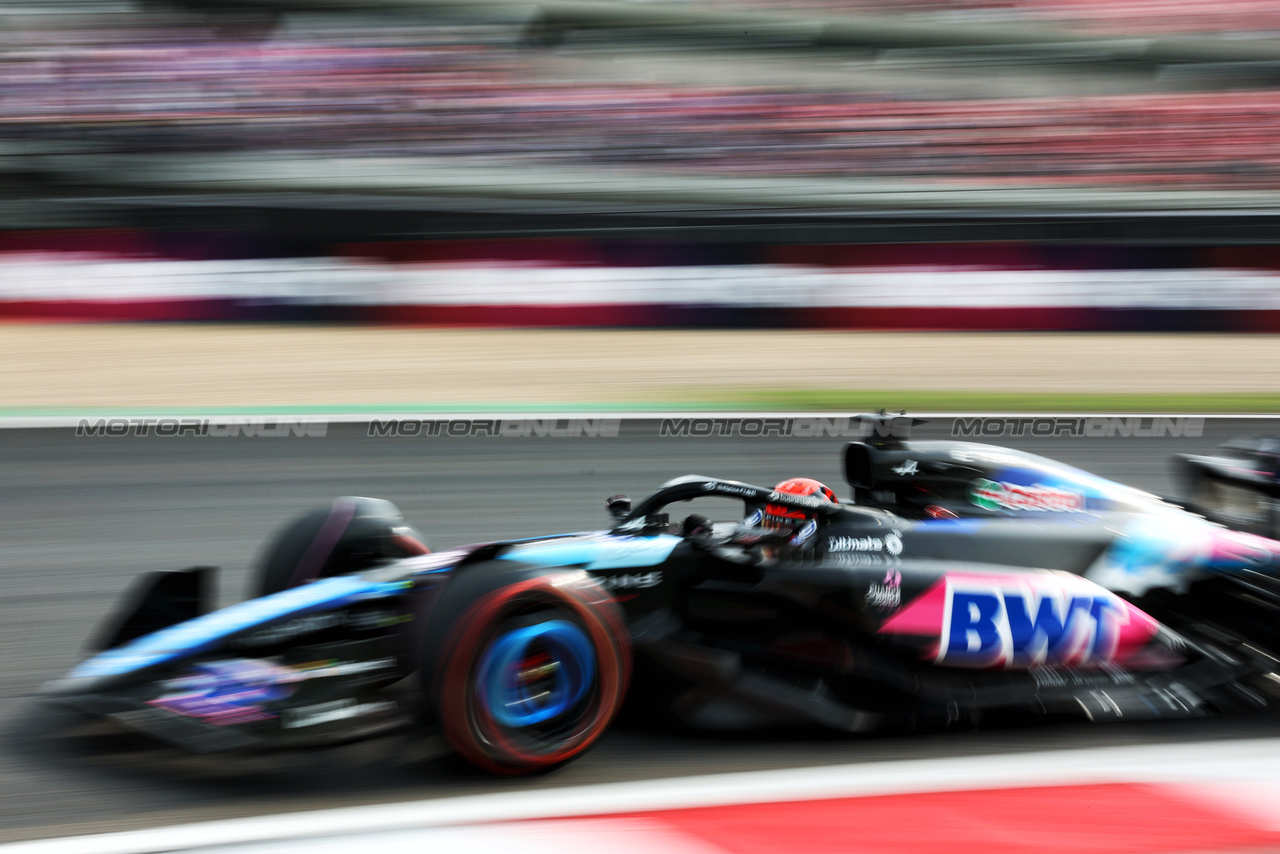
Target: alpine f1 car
1239, 486
960, 578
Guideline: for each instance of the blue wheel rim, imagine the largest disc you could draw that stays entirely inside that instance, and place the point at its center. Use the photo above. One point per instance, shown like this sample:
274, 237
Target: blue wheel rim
517, 695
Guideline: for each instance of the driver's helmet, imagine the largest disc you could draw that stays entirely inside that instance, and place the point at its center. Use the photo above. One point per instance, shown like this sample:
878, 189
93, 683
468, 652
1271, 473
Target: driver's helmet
802, 523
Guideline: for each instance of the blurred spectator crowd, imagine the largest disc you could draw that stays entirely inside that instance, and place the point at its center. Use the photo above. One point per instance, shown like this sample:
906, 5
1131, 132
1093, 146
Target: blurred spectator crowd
442, 92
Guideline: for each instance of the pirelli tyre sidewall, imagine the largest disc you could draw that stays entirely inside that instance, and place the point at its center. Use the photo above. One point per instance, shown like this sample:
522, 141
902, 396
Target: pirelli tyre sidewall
498, 624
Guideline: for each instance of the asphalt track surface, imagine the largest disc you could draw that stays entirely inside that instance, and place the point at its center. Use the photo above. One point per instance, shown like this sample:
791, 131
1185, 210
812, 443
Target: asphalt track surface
81, 517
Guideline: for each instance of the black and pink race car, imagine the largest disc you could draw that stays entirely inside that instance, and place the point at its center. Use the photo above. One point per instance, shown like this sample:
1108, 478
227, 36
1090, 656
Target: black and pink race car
959, 578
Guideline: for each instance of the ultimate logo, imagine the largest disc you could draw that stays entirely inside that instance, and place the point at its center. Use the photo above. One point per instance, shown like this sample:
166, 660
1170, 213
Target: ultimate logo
890, 543
990, 495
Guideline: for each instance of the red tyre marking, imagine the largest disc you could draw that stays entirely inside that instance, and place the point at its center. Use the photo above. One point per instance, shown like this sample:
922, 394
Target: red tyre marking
603, 625
480, 619
458, 675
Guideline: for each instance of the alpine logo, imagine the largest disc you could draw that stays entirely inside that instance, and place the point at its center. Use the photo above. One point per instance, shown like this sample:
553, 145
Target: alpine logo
990, 495
906, 469
1049, 618
729, 488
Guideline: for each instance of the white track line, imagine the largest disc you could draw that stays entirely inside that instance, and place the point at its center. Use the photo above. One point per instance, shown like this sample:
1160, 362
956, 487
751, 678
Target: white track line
1254, 763
566, 836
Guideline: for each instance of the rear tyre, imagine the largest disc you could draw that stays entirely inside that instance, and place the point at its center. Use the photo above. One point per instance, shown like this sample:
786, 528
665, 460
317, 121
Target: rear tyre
530, 671
350, 535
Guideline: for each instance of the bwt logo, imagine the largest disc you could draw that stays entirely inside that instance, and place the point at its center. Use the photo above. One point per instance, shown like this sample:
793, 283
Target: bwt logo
1097, 427
984, 628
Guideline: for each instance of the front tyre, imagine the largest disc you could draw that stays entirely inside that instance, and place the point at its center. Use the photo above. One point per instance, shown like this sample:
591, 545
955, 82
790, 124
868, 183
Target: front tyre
532, 673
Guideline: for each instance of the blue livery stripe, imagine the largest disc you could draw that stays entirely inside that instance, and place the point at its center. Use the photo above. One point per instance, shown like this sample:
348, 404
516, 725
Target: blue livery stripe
205, 632
598, 553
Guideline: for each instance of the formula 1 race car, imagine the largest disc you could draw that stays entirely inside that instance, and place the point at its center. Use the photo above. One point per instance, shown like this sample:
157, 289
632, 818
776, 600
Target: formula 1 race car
963, 578
1238, 487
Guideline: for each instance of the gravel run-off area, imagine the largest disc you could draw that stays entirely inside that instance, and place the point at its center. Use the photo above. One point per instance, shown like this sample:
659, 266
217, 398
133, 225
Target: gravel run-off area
190, 365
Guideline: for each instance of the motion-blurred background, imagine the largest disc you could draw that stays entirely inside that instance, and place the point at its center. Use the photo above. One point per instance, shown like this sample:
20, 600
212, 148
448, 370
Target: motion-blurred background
697, 171
845, 164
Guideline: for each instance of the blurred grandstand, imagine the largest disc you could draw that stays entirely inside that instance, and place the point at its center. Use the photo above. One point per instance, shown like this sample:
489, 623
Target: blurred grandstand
817, 121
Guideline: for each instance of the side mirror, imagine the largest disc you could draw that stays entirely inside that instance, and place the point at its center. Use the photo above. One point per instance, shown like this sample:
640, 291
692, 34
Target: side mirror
619, 506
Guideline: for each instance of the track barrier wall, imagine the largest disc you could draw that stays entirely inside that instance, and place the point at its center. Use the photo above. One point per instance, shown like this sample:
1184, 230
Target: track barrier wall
577, 283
